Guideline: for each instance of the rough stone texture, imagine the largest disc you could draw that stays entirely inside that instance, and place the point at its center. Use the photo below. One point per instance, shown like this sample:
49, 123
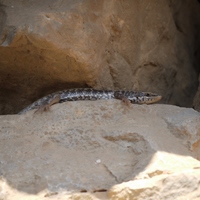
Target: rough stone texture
181, 186
132, 152
51, 45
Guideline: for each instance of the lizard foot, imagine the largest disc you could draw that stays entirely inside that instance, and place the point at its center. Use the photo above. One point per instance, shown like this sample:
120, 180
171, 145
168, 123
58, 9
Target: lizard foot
46, 107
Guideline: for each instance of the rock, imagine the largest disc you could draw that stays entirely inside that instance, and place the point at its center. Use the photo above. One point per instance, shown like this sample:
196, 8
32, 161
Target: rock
52, 45
181, 185
196, 102
101, 150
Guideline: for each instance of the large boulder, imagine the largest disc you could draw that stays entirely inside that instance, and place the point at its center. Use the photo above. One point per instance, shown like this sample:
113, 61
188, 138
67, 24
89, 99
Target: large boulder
101, 148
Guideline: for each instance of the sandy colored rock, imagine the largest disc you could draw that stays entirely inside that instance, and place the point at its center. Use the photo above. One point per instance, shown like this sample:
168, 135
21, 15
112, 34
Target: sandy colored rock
181, 185
99, 146
52, 45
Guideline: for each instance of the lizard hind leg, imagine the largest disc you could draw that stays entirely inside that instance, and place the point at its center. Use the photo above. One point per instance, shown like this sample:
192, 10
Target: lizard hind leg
46, 107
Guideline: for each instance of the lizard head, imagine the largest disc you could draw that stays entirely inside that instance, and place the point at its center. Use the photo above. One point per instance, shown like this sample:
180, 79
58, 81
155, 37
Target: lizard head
148, 98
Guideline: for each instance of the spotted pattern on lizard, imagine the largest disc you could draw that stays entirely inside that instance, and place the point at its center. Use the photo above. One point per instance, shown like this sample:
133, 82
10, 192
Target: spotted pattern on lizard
92, 94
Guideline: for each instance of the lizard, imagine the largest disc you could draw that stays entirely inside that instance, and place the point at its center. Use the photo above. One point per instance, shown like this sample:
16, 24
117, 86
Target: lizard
45, 102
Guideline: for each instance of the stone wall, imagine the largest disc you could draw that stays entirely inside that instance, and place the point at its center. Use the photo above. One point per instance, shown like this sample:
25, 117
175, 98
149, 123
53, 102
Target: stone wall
141, 45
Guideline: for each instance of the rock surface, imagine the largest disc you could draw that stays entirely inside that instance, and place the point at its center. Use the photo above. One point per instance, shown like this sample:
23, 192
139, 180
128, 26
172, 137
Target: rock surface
196, 103
52, 45
101, 150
